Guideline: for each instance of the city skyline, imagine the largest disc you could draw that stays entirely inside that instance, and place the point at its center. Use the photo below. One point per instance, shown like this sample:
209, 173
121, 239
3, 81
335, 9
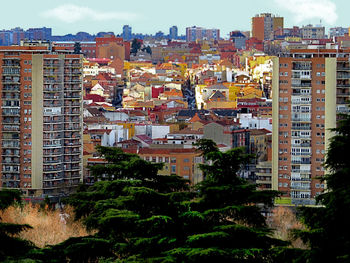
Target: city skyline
72, 16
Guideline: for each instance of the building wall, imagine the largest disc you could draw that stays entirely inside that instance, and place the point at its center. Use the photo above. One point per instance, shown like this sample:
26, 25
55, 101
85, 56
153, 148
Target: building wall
258, 28
41, 117
309, 89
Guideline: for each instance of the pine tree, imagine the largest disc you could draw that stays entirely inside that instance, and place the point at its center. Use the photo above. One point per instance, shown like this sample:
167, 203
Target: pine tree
134, 211
227, 220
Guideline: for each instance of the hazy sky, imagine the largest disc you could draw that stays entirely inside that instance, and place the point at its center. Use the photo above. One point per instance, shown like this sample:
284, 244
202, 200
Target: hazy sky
150, 16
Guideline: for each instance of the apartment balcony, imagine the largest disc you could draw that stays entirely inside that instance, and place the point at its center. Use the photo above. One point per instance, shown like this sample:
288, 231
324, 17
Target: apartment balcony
300, 188
72, 72
264, 181
302, 128
72, 65
72, 159
11, 144
10, 169
52, 178
52, 81
73, 151
343, 76
51, 184
72, 88
72, 95
49, 65
10, 177
11, 72
72, 144
53, 103
10, 96
72, 119
343, 93
10, 160
301, 119
52, 136
47, 169
72, 127
10, 153
10, 128
52, 152
301, 179
11, 64
72, 135
72, 80
72, 112
301, 162
45, 146
10, 88
52, 88
52, 160
52, 127
69, 103
11, 59
52, 72
301, 65
52, 120
50, 96
14, 81
71, 168
302, 145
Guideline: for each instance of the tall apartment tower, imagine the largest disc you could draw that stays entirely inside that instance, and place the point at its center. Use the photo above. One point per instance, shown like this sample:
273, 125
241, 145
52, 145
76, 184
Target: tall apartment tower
40, 119
173, 32
309, 88
199, 33
264, 26
127, 32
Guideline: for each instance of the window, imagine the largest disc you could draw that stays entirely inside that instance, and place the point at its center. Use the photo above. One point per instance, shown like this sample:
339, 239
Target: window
173, 169
173, 160
186, 160
186, 168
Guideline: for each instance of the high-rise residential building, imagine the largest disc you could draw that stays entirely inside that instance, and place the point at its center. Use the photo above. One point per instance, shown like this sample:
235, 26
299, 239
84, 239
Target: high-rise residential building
265, 25
310, 86
312, 32
173, 32
40, 119
338, 31
42, 33
199, 33
127, 31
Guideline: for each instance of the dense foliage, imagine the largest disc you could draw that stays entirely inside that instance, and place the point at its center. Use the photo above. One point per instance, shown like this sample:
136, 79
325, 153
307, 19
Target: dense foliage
138, 215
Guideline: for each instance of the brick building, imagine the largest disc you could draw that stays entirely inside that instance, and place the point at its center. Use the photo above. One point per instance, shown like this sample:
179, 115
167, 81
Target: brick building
40, 119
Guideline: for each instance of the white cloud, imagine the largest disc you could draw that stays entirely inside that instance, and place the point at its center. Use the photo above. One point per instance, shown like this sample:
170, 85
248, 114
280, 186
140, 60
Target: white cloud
72, 13
305, 10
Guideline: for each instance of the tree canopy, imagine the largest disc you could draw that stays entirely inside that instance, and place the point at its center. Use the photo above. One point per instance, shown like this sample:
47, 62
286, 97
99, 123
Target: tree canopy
137, 215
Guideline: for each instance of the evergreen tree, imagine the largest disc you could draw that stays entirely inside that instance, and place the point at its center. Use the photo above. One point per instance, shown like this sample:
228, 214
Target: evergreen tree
77, 48
328, 232
135, 46
226, 223
12, 247
135, 211
141, 216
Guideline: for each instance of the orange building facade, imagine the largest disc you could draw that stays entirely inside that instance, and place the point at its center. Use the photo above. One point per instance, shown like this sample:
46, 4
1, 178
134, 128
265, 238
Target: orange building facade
40, 119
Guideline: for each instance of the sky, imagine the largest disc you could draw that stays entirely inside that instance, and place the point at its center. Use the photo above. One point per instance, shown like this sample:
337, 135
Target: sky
151, 16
